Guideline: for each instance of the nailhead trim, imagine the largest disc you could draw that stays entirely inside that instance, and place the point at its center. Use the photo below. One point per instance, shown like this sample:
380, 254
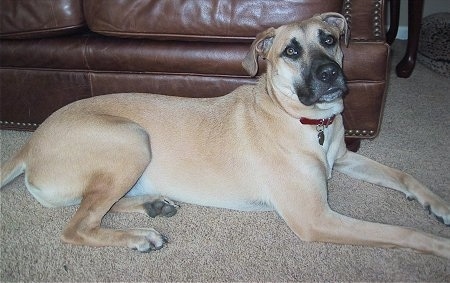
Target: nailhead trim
7, 123
377, 19
360, 133
348, 12
353, 133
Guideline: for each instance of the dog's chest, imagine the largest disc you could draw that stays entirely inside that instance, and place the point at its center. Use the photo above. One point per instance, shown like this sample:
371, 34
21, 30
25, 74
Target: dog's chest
326, 143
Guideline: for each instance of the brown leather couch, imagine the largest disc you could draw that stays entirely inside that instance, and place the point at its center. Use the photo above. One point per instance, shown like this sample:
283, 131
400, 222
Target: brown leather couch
53, 52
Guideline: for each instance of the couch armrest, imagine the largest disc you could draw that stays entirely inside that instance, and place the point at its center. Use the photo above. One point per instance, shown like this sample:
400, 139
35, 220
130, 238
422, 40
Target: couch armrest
366, 19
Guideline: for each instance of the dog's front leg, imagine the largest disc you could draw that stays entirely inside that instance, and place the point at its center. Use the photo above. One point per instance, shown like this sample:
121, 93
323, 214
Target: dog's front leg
363, 168
304, 207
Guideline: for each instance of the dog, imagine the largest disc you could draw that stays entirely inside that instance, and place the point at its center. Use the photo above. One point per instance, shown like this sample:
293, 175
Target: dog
268, 146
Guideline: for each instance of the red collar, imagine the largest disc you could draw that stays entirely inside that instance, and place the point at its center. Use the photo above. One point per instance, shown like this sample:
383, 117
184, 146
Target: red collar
317, 122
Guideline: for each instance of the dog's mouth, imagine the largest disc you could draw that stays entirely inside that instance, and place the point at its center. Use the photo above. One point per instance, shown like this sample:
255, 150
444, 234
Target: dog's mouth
329, 95
325, 82
332, 94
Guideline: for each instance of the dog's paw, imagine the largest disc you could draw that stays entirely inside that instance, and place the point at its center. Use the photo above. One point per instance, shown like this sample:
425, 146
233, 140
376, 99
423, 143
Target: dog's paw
432, 203
147, 240
163, 207
441, 211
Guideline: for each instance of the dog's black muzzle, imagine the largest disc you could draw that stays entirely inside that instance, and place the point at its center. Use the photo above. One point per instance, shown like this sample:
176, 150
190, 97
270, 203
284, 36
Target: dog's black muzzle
324, 82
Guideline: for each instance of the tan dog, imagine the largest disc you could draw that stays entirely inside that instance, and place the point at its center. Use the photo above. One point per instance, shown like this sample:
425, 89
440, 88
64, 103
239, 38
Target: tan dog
246, 150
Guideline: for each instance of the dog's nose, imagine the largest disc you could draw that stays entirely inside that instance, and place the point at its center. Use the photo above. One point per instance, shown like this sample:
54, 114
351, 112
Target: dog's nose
328, 73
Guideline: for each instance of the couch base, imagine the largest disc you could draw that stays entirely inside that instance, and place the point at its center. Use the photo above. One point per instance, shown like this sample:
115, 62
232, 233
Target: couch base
29, 96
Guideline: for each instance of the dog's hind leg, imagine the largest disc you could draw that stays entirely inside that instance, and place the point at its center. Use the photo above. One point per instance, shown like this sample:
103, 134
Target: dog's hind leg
151, 205
110, 164
363, 168
84, 228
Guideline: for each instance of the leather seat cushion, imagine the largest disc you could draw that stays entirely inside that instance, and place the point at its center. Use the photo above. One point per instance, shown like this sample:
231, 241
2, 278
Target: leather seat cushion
43, 18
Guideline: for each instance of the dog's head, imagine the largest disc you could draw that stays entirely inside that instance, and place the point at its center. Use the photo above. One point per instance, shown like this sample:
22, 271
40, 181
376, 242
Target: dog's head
304, 59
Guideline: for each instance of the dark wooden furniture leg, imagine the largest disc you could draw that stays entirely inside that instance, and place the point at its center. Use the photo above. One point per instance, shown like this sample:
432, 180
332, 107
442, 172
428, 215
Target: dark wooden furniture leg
353, 144
406, 65
394, 10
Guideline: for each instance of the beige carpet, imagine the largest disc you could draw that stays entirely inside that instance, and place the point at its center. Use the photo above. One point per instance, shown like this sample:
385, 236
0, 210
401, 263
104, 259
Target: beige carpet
208, 244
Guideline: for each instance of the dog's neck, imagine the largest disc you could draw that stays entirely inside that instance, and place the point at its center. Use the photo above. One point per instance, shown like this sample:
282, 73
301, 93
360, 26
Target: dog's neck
321, 125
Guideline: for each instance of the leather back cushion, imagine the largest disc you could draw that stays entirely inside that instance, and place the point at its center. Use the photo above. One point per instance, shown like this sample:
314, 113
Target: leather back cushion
198, 19
40, 18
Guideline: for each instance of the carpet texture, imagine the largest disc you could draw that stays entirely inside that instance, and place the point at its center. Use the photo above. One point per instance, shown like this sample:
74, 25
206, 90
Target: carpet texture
210, 244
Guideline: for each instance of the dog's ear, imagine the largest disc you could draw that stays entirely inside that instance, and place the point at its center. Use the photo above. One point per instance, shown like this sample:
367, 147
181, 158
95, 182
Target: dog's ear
337, 20
260, 47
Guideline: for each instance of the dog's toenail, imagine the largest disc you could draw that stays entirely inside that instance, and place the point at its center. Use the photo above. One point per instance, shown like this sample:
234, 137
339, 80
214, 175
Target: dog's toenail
427, 208
410, 198
439, 218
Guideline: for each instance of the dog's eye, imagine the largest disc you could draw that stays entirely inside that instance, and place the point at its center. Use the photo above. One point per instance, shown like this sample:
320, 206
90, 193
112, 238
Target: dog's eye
329, 40
290, 51
293, 50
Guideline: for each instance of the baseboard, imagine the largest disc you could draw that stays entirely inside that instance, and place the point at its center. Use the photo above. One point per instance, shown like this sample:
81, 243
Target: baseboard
402, 32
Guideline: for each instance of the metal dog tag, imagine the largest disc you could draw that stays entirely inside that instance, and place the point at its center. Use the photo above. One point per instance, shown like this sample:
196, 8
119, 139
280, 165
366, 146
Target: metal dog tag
321, 137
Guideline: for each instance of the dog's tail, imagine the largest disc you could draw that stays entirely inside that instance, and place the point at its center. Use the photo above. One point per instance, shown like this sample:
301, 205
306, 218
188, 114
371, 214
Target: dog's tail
13, 167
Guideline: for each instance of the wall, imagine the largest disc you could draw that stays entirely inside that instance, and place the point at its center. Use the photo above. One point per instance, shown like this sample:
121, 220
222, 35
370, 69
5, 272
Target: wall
430, 7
